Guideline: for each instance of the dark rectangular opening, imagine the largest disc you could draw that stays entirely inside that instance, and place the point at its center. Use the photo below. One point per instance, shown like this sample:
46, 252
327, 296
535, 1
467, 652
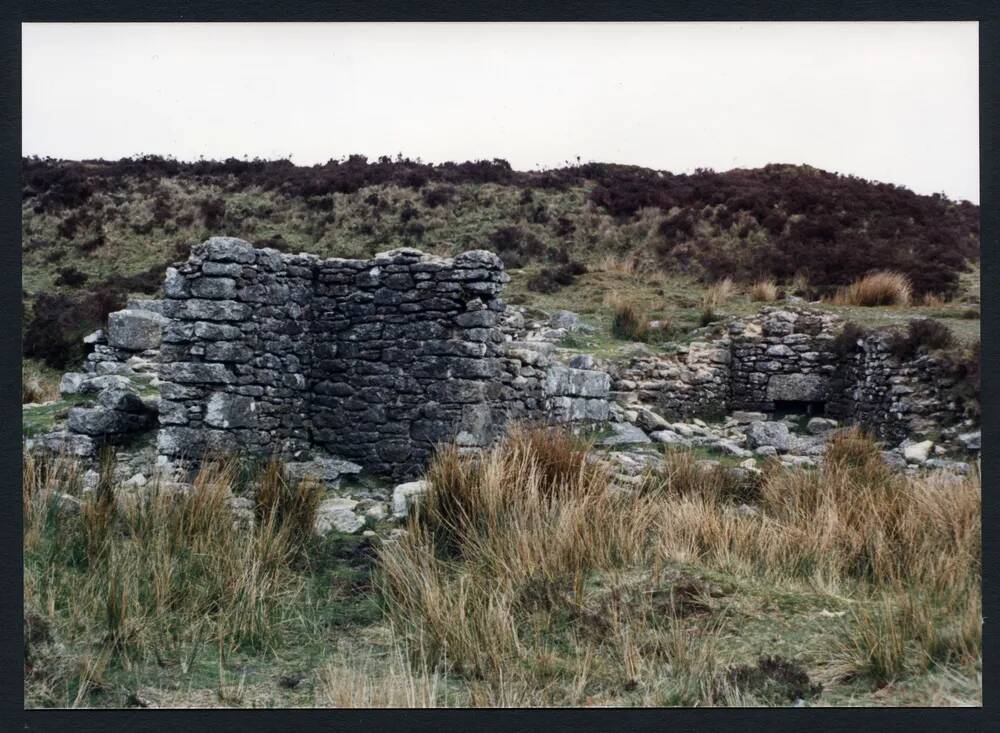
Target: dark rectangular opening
812, 408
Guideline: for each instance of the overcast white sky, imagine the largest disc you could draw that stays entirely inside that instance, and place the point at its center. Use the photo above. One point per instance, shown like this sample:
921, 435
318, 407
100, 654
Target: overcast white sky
895, 102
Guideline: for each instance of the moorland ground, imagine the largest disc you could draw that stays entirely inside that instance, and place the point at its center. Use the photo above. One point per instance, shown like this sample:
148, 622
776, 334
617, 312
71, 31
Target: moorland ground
521, 581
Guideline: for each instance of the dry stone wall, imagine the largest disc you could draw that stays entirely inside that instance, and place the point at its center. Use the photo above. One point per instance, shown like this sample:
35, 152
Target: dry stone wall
783, 358
374, 361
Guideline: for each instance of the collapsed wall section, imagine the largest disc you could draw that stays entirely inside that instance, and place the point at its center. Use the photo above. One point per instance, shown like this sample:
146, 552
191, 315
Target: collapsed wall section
783, 358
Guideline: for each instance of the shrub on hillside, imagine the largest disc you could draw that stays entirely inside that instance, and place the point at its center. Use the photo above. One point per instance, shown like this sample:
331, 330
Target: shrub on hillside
878, 288
515, 246
213, 211
551, 279
922, 335
59, 322
437, 195
71, 277
846, 342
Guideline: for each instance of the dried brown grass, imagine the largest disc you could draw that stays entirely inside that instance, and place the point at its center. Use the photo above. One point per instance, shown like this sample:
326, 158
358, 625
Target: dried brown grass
878, 288
764, 291
509, 535
719, 293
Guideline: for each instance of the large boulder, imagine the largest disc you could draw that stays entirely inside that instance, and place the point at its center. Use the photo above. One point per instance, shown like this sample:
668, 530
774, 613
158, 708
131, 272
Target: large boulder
121, 400
63, 442
761, 433
135, 330
98, 421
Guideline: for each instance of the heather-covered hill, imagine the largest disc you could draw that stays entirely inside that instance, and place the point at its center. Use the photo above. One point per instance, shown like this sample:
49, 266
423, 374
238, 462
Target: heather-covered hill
94, 231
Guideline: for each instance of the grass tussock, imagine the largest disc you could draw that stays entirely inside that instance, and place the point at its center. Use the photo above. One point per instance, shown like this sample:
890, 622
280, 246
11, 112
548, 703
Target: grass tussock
509, 543
764, 291
526, 577
879, 288
719, 293
630, 321
161, 577
38, 382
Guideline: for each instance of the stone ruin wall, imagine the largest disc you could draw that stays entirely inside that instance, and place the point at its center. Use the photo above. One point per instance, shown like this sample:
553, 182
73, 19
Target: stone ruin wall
785, 356
375, 361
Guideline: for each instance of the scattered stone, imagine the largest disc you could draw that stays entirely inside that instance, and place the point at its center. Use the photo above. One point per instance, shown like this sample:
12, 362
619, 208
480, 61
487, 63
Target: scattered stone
668, 437
649, 420
728, 446
405, 496
336, 514
377, 512
744, 417
799, 461
972, 441
242, 509
820, 425
773, 434
567, 320
66, 505
959, 467
624, 434
917, 452
893, 459
137, 481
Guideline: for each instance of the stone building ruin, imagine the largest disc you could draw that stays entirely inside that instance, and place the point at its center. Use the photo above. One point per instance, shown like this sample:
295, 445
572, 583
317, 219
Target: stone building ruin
378, 361
374, 361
